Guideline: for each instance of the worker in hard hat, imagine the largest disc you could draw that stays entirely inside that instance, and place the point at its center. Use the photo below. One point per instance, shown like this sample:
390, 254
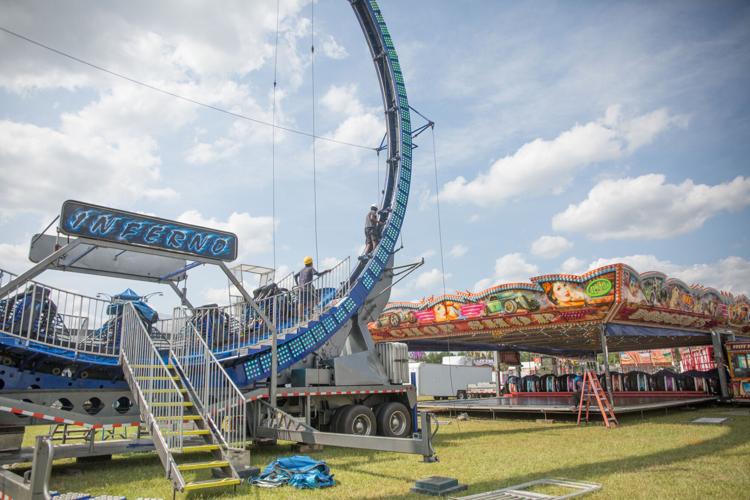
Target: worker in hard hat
371, 230
306, 295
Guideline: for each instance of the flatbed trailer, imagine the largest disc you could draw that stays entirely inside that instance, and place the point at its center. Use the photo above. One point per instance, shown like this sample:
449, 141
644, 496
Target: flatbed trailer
541, 403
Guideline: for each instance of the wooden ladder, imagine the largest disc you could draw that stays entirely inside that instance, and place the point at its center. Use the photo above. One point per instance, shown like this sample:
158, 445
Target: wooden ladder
592, 388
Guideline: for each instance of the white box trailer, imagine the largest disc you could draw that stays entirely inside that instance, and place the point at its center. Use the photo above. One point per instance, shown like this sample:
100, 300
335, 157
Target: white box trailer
442, 381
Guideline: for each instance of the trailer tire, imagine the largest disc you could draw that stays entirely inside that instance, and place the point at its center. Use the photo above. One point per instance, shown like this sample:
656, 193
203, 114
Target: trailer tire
356, 419
334, 425
394, 420
461, 394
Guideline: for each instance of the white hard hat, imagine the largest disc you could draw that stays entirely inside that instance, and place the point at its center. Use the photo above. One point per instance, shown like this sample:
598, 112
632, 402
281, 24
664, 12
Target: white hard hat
373, 207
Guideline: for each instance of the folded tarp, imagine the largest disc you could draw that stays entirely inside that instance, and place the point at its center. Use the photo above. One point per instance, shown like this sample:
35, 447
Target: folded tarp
299, 471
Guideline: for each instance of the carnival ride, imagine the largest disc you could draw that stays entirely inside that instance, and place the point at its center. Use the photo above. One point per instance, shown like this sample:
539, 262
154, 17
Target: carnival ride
208, 378
613, 308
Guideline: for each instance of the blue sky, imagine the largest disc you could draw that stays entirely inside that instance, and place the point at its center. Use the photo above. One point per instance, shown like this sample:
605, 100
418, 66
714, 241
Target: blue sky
568, 134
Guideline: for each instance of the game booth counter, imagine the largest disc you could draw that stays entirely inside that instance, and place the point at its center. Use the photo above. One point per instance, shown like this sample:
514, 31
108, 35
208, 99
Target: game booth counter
610, 309
738, 354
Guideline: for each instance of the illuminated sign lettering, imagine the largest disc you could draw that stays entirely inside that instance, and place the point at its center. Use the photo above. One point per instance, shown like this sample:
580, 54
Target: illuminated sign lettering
107, 224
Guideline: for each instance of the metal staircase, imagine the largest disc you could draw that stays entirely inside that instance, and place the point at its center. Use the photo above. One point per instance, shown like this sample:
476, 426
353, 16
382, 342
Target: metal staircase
181, 418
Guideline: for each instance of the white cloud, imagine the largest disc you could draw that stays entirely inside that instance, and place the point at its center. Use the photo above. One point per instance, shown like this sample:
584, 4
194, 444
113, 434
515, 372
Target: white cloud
731, 274
425, 199
458, 250
254, 233
543, 166
14, 258
639, 262
648, 207
342, 100
161, 46
204, 152
328, 262
550, 246
357, 124
573, 265
49, 166
333, 49
153, 43
426, 254
216, 296
431, 281
474, 218
426, 283
509, 268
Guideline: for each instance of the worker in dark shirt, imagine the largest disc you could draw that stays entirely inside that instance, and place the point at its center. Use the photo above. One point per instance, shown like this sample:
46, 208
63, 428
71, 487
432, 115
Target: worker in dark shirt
306, 289
371, 230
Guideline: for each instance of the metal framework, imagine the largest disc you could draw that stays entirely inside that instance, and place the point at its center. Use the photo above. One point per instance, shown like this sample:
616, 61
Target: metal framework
191, 376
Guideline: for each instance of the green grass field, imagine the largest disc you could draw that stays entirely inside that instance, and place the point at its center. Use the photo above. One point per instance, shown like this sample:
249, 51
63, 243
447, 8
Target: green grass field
660, 456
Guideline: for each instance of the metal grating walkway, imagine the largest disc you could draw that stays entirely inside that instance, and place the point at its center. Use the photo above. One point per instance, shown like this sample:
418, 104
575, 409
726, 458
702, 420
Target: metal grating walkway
522, 491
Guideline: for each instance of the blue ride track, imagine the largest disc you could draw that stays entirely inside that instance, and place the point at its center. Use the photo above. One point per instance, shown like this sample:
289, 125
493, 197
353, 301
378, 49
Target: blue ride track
299, 344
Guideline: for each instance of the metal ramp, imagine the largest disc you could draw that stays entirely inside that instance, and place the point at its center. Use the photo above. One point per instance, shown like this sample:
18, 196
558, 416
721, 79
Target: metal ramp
568, 489
176, 408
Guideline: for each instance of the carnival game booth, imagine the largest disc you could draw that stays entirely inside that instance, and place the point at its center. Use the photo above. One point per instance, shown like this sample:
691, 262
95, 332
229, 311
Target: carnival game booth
739, 366
610, 309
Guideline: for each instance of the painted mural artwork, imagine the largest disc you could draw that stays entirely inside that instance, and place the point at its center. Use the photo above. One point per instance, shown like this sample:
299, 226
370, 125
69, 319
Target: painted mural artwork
654, 298
617, 293
545, 301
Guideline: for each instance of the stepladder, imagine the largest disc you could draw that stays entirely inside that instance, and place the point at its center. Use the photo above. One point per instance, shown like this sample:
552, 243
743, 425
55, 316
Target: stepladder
592, 393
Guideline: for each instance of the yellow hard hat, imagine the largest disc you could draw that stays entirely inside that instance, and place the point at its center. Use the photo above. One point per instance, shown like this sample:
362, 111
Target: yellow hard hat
308, 260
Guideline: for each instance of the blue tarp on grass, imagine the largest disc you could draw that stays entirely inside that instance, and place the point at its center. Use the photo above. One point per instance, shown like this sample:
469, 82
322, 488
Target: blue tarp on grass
298, 471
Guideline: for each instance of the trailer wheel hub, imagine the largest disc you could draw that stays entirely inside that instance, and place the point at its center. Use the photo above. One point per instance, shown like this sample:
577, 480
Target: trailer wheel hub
362, 425
397, 423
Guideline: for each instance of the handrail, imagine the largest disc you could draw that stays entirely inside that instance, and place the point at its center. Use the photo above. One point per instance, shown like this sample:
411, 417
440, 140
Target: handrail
228, 329
49, 316
218, 399
152, 379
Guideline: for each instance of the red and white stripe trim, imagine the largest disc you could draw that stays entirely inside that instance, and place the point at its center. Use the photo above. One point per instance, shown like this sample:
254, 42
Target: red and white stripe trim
287, 394
60, 420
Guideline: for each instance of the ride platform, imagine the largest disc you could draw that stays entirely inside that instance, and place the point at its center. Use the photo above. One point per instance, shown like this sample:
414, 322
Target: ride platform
563, 403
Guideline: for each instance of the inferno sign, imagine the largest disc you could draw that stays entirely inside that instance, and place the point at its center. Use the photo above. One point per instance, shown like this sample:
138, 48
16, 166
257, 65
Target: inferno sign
118, 226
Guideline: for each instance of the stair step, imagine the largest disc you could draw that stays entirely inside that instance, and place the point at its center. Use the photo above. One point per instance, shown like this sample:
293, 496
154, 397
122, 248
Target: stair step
198, 447
188, 432
163, 391
170, 418
173, 377
184, 404
269, 340
169, 366
203, 465
211, 483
